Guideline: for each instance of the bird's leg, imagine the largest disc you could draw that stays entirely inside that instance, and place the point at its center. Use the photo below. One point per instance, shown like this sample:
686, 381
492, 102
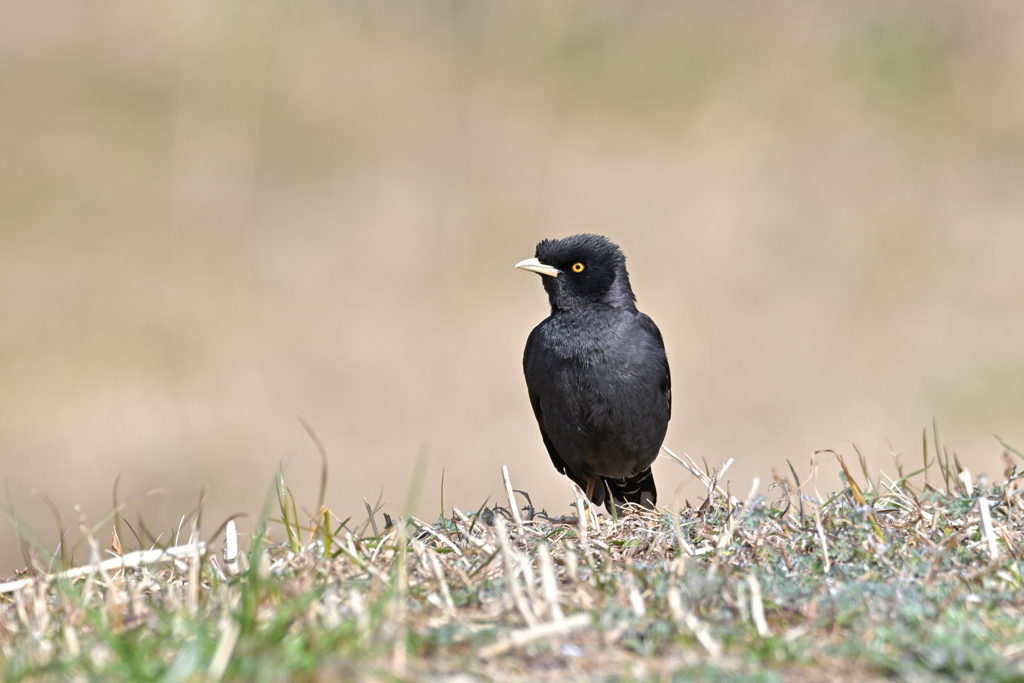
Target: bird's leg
590, 488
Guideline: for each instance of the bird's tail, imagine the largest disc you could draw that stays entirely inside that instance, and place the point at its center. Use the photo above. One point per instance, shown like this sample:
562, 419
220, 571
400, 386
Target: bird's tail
639, 489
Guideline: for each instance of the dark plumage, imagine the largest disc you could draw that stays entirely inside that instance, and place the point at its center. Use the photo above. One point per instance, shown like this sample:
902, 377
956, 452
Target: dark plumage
596, 372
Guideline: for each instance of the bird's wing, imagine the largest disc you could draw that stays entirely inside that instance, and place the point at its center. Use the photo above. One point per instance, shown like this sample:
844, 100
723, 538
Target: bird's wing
666, 383
538, 412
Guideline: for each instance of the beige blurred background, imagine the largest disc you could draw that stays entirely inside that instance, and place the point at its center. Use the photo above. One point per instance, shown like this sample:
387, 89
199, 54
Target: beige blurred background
218, 216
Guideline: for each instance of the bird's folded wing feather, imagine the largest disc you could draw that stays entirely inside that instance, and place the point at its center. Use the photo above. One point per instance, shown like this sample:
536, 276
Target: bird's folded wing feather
538, 412
648, 325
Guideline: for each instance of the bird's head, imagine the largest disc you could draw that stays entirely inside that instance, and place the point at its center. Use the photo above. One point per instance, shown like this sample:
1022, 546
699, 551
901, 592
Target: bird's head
580, 270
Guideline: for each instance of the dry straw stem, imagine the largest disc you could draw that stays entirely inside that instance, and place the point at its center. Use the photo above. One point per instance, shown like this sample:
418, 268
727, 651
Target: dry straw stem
530, 635
231, 561
585, 513
130, 560
427, 529
683, 546
397, 606
514, 588
225, 648
510, 494
687, 619
986, 527
429, 559
822, 539
549, 582
725, 538
691, 467
757, 606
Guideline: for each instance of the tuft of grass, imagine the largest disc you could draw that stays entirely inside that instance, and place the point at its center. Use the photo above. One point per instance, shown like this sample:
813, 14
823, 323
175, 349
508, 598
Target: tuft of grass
878, 580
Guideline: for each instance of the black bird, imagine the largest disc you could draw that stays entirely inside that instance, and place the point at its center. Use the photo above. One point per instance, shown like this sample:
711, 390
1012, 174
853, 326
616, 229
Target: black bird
596, 372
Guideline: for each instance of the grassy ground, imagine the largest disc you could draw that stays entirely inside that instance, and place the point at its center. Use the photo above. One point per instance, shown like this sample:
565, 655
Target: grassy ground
883, 579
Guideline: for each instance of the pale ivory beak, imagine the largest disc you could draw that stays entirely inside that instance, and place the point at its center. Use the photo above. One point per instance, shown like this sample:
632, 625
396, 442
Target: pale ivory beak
535, 266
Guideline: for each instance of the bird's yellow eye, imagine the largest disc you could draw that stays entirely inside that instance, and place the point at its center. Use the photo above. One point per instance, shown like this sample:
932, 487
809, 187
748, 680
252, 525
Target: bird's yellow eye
577, 267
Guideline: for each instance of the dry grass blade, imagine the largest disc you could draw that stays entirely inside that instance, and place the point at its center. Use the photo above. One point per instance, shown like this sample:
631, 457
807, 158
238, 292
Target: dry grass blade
822, 539
442, 582
686, 619
137, 558
322, 450
428, 529
859, 497
757, 606
225, 648
734, 519
370, 517
986, 527
231, 548
692, 468
582, 507
548, 582
535, 633
512, 585
683, 546
510, 494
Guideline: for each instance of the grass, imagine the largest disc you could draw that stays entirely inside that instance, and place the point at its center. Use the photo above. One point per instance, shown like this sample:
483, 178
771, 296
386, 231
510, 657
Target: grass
882, 579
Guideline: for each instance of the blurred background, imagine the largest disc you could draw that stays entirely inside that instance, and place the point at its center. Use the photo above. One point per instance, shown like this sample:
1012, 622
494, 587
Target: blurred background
218, 216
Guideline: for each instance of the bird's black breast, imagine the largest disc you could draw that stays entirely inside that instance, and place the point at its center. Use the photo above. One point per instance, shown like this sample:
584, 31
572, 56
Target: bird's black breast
599, 383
